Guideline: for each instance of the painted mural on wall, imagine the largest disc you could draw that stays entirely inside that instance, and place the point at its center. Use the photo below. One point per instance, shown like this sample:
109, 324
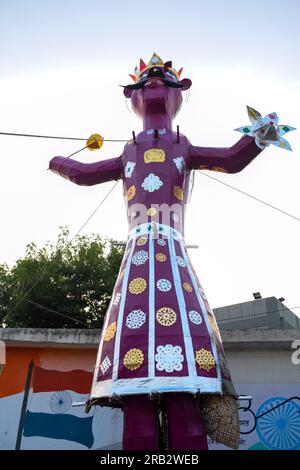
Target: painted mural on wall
61, 377
271, 421
49, 421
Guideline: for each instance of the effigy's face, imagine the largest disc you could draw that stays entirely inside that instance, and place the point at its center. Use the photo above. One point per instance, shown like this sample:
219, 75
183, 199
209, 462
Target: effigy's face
157, 90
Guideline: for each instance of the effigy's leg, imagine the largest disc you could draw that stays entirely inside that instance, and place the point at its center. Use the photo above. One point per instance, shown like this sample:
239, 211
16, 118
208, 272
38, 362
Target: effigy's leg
141, 425
185, 427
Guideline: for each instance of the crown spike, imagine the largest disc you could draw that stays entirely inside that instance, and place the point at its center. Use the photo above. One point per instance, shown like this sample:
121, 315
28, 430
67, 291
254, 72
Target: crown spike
179, 72
155, 60
142, 65
133, 77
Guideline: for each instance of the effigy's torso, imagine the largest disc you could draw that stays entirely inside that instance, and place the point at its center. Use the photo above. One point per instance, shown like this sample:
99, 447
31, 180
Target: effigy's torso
159, 334
156, 179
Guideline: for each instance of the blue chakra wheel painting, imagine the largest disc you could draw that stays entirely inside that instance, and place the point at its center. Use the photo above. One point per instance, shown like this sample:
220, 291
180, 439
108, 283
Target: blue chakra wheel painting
60, 402
279, 429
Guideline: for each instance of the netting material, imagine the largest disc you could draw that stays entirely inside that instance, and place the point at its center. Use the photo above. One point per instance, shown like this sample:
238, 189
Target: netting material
221, 419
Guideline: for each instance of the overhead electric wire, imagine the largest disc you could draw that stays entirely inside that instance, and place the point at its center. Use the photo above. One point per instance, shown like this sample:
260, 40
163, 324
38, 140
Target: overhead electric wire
271, 206
55, 311
15, 134
7, 317
251, 196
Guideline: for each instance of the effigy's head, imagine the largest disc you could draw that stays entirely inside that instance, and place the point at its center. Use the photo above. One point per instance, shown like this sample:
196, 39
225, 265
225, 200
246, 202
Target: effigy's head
157, 88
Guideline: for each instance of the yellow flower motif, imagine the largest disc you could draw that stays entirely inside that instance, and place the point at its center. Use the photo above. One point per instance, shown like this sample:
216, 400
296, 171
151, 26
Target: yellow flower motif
187, 287
219, 169
166, 316
131, 193
151, 211
133, 359
110, 331
154, 156
205, 359
178, 193
137, 285
160, 257
142, 241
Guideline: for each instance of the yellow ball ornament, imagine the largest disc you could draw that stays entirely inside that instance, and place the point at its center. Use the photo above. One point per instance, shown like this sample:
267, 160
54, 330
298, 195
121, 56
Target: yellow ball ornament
94, 142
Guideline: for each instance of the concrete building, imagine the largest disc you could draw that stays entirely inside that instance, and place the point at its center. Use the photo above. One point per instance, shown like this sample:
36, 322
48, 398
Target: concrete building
48, 370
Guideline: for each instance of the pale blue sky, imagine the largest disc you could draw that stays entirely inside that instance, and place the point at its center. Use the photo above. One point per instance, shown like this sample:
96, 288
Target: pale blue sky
60, 66
37, 34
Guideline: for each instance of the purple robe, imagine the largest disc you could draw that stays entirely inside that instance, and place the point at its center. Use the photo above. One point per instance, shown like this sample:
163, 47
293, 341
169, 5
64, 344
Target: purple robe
159, 334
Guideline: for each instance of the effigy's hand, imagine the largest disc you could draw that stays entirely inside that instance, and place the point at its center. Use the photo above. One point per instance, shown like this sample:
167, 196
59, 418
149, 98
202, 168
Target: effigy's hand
266, 130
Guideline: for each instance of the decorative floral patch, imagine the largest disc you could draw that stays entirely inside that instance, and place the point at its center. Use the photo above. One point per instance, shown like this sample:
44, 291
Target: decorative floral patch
154, 156
129, 169
169, 358
164, 285
195, 317
187, 286
160, 257
204, 359
140, 257
160, 131
152, 183
166, 316
110, 331
133, 359
180, 261
117, 298
105, 364
178, 193
137, 285
180, 164
131, 193
220, 169
142, 241
135, 319
151, 211
175, 217
161, 242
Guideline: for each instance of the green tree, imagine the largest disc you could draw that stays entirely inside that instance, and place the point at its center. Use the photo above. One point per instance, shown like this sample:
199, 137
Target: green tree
75, 279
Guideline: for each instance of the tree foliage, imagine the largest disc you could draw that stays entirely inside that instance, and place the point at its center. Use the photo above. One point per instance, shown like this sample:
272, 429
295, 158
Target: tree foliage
73, 278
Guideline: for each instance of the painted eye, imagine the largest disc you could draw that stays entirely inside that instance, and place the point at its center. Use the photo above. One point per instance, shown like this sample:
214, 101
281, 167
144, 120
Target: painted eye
170, 74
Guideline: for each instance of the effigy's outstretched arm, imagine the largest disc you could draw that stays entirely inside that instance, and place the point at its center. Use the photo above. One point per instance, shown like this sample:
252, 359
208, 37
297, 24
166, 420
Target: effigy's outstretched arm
87, 174
227, 159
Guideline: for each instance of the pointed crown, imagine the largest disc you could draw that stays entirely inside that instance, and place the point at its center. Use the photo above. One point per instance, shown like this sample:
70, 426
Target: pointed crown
154, 61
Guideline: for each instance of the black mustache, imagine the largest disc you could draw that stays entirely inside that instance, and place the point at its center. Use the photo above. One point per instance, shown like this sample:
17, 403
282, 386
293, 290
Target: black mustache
142, 83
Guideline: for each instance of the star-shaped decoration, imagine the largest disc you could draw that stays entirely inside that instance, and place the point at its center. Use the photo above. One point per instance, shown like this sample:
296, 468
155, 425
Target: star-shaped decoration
266, 130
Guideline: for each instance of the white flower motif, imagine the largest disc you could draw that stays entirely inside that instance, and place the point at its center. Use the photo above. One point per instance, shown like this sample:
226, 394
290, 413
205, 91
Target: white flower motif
169, 358
135, 319
152, 183
117, 298
195, 317
161, 242
175, 217
164, 285
129, 169
140, 257
105, 365
180, 164
160, 131
180, 261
